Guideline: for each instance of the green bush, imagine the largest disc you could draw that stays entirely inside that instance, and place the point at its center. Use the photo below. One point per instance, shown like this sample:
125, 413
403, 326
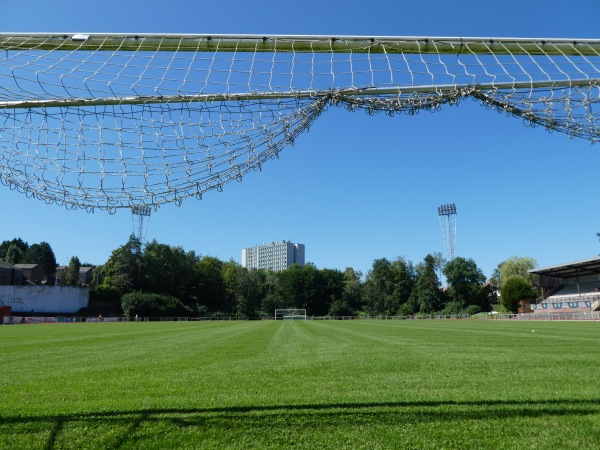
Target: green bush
105, 294
472, 310
340, 308
145, 304
406, 309
515, 288
452, 308
500, 309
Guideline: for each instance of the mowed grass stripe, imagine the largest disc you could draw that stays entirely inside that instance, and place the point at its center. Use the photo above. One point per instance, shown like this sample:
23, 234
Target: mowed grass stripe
105, 363
306, 384
548, 359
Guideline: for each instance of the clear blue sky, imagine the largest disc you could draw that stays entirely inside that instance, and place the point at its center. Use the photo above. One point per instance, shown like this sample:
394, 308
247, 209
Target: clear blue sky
355, 187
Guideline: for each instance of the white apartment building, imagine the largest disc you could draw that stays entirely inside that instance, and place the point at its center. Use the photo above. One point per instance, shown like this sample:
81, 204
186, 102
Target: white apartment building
276, 256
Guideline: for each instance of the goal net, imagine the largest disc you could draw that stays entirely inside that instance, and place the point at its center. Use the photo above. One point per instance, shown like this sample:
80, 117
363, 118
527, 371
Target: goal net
290, 314
116, 121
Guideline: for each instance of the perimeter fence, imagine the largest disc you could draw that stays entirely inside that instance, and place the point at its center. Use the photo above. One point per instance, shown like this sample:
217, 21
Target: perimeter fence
577, 316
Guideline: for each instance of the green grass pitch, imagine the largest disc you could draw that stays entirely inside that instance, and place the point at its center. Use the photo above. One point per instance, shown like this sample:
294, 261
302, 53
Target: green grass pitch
302, 384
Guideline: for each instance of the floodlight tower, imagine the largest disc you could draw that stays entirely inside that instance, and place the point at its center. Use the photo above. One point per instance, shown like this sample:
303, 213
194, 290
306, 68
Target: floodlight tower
447, 215
140, 224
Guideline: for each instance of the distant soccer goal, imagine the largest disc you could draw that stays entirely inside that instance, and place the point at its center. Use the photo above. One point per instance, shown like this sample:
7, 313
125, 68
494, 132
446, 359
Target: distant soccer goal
123, 121
290, 314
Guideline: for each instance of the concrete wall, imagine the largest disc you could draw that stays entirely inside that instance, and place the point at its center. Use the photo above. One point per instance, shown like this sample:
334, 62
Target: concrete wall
42, 299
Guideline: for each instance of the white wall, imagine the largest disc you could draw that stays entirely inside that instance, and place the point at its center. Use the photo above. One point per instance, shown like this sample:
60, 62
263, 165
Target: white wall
41, 299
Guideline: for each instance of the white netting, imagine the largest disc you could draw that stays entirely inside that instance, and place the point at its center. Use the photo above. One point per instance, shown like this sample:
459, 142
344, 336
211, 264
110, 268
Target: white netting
107, 121
120, 155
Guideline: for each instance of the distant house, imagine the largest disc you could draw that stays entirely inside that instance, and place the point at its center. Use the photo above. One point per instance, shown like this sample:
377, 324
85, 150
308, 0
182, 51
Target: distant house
85, 276
32, 272
9, 274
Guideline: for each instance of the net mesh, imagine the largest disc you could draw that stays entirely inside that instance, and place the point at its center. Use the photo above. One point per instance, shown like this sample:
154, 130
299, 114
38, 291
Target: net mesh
106, 121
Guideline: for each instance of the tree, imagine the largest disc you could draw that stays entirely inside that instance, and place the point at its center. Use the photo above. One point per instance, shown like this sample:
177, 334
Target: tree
427, 296
14, 254
158, 273
352, 288
290, 288
320, 288
440, 262
301, 287
515, 288
147, 304
515, 266
123, 268
232, 276
403, 282
340, 308
379, 286
42, 255
105, 294
72, 275
249, 292
171, 271
120, 281
466, 283
17, 242
389, 286
211, 286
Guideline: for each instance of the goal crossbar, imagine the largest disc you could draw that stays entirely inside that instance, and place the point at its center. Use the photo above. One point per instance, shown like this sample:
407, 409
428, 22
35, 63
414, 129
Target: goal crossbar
290, 313
300, 43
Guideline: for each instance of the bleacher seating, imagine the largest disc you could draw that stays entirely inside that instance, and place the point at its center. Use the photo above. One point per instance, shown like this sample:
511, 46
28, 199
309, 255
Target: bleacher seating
586, 288
571, 298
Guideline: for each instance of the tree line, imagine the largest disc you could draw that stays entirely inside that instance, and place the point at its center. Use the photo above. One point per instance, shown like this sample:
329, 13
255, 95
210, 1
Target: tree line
17, 251
159, 279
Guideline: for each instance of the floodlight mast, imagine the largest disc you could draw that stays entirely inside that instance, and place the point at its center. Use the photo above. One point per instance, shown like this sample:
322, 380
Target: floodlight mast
447, 215
139, 212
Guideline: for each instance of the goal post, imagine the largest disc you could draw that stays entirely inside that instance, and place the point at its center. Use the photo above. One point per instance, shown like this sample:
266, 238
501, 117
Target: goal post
290, 314
107, 121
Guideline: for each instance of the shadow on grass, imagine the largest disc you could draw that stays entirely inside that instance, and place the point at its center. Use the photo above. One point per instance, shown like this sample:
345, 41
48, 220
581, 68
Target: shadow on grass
270, 419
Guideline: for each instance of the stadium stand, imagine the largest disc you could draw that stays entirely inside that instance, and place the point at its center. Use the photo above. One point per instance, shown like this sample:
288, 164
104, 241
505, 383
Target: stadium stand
579, 291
